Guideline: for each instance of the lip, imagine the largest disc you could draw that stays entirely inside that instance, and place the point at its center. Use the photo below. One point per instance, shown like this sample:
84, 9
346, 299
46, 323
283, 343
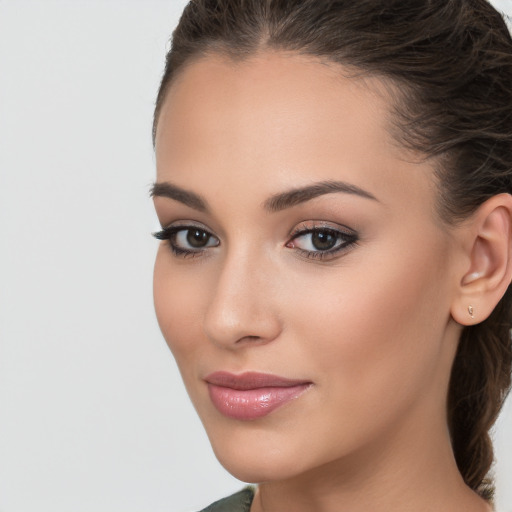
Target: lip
251, 395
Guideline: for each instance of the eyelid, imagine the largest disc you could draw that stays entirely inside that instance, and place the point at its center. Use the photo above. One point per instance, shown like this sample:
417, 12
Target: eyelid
309, 226
345, 238
348, 238
182, 225
187, 224
169, 233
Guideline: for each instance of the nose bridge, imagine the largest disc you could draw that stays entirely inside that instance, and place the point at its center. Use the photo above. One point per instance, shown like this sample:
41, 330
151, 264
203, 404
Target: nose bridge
240, 308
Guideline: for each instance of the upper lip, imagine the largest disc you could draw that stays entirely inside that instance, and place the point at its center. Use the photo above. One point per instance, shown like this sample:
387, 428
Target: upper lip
252, 380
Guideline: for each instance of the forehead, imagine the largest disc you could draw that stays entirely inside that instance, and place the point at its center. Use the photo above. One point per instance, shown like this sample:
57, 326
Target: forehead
273, 90
275, 118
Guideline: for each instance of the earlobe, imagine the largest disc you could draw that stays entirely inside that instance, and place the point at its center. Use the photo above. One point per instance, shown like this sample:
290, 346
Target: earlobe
489, 240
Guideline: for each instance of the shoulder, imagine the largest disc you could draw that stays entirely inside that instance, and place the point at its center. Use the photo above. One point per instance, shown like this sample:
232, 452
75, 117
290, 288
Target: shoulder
239, 502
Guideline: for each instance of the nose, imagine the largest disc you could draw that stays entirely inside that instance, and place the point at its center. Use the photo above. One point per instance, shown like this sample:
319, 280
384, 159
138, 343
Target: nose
242, 308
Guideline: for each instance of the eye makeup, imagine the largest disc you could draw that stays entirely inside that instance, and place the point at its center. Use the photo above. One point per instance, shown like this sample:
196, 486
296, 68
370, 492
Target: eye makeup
187, 240
316, 240
322, 241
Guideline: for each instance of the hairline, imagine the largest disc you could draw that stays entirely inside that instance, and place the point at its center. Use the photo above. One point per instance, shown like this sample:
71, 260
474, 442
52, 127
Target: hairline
392, 90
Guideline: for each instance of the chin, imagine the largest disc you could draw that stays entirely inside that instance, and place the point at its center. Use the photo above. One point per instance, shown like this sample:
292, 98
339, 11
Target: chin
255, 454
256, 468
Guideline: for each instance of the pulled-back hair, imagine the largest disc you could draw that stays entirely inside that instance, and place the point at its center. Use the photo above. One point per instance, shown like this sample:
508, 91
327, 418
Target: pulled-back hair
450, 62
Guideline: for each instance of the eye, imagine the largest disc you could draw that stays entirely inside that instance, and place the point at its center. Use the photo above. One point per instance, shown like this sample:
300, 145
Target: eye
321, 242
193, 238
187, 240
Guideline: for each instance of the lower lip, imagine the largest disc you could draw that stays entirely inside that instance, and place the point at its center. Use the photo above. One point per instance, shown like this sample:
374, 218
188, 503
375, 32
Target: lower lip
252, 403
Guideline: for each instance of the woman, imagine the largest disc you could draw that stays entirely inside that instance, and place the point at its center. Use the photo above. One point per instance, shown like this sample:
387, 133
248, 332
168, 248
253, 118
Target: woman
333, 185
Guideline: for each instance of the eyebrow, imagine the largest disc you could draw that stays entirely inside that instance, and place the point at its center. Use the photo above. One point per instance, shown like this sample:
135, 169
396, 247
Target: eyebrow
296, 196
166, 189
275, 203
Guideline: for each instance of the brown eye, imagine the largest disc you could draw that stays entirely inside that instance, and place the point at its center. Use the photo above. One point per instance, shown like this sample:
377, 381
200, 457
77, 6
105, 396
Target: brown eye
322, 243
187, 240
197, 238
192, 239
324, 240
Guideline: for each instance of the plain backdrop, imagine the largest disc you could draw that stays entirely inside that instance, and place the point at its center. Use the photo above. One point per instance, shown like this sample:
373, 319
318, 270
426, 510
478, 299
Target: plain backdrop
93, 416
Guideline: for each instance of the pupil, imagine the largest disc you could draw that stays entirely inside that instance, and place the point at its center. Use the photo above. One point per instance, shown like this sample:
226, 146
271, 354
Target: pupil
324, 240
197, 238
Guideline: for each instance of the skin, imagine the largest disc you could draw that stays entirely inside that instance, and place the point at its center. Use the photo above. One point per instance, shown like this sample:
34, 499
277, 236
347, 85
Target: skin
374, 327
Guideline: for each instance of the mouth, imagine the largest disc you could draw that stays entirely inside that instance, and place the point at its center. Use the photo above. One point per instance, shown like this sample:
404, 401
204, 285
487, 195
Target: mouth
252, 395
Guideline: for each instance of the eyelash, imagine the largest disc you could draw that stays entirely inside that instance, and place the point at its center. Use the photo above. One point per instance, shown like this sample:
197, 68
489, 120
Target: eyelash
169, 234
347, 238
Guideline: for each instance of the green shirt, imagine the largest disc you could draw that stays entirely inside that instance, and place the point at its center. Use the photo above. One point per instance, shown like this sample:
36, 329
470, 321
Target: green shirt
239, 502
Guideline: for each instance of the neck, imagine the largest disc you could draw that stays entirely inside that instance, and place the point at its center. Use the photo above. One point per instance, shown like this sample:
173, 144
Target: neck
414, 469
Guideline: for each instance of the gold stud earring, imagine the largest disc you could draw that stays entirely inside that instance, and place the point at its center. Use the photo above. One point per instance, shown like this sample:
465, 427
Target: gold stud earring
471, 311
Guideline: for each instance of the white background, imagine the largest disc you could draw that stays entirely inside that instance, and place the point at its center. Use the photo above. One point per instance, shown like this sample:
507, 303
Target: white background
93, 416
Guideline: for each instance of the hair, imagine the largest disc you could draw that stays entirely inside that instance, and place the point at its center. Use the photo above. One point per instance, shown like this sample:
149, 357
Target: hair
450, 62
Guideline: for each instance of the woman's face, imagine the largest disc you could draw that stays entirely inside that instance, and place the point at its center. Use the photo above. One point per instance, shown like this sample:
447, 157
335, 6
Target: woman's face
303, 260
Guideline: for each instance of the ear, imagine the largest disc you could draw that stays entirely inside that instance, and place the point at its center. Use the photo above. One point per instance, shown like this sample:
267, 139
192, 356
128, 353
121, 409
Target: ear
487, 243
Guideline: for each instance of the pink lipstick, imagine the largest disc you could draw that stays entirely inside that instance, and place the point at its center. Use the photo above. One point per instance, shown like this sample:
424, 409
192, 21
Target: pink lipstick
252, 395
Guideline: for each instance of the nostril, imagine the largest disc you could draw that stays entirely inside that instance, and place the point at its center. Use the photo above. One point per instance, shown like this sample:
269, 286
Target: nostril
249, 338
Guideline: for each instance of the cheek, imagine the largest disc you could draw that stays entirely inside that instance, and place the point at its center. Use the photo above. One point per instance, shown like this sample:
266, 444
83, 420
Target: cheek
178, 304
375, 328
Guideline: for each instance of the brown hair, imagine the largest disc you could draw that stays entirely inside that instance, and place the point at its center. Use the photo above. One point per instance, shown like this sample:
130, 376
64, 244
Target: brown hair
451, 63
